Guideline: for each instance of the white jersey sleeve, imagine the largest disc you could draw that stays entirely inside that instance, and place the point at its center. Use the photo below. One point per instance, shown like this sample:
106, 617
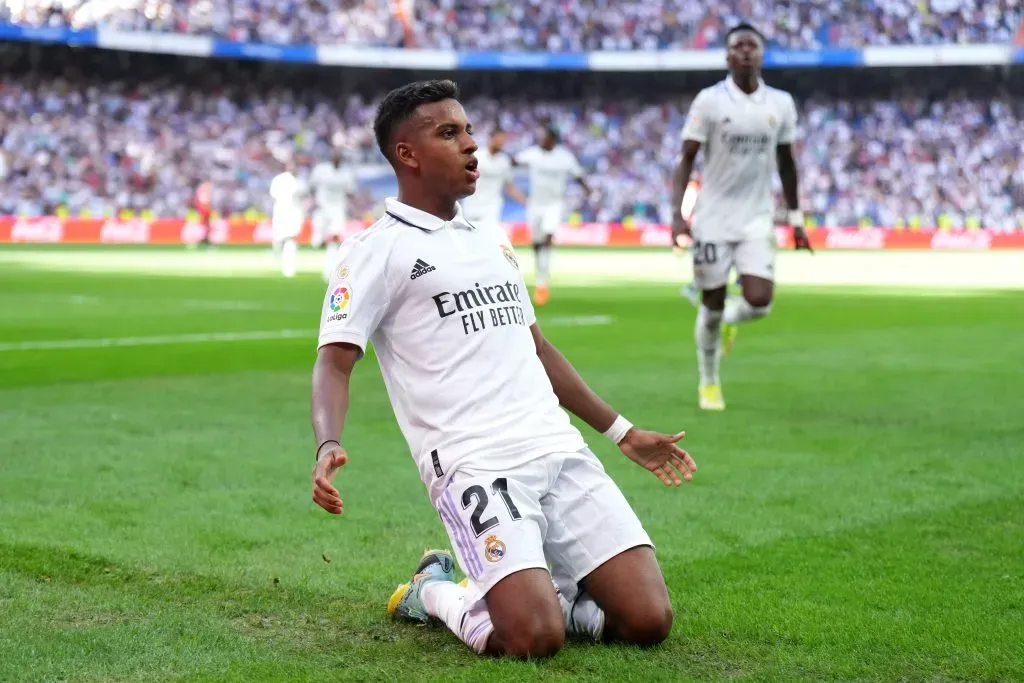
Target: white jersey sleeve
357, 297
699, 118
787, 128
528, 156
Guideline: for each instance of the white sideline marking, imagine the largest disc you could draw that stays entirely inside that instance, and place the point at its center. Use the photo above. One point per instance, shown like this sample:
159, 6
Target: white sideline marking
200, 338
213, 337
579, 320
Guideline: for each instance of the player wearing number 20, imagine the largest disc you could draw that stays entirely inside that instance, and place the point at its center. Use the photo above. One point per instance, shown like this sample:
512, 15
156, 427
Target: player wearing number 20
746, 129
476, 389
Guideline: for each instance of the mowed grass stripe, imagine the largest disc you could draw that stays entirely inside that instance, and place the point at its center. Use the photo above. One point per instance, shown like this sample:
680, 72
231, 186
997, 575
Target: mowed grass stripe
833, 607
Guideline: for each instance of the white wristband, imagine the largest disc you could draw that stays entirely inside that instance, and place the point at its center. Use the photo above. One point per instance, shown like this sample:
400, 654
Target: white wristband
617, 432
796, 218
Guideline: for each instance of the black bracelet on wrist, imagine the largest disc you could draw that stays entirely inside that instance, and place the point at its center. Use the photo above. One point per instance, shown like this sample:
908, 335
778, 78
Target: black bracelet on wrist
321, 446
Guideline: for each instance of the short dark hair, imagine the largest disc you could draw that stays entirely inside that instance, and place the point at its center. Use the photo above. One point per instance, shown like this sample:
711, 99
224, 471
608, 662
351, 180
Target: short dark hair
399, 104
744, 26
551, 130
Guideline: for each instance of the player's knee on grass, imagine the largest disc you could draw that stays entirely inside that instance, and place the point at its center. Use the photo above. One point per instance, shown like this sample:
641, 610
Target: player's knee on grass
535, 636
631, 590
526, 616
646, 623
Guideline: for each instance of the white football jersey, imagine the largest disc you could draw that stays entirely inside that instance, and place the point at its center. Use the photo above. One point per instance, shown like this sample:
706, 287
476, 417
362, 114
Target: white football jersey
738, 134
332, 186
549, 173
287, 191
486, 203
447, 310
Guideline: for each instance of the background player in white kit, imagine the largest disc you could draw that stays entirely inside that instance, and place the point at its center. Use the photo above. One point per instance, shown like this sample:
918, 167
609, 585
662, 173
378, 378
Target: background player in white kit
484, 207
550, 165
476, 390
745, 128
332, 184
289, 194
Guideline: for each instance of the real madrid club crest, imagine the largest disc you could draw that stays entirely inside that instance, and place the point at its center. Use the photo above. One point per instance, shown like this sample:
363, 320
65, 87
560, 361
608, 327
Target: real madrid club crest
494, 549
510, 256
771, 121
343, 271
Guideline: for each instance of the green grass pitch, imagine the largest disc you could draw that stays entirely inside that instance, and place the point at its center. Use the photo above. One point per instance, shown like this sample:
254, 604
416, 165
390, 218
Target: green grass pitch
858, 513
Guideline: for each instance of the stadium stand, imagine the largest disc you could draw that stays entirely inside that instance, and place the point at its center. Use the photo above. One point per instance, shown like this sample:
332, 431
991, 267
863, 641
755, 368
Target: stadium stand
567, 25
91, 141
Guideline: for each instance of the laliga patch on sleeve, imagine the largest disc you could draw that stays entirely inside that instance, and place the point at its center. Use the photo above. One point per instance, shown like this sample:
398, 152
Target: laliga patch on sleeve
340, 302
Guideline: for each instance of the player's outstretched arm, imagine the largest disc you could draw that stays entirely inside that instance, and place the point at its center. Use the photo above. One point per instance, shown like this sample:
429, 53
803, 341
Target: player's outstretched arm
656, 452
329, 405
573, 393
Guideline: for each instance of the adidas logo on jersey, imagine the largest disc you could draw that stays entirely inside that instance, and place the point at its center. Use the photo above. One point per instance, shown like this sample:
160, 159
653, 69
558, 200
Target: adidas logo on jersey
421, 268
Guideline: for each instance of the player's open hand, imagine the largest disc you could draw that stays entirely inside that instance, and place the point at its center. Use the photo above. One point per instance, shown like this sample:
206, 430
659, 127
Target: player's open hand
660, 454
332, 458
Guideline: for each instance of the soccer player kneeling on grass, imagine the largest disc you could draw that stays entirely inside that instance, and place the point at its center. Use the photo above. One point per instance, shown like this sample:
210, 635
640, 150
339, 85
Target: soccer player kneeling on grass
476, 389
746, 129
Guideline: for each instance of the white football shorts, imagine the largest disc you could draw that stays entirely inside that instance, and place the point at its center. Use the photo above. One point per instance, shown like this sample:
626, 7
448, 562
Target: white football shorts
712, 261
327, 223
543, 221
286, 225
561, 512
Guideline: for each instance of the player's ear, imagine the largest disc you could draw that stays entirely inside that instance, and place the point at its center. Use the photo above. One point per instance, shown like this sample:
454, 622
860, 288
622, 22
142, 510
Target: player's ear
405, 155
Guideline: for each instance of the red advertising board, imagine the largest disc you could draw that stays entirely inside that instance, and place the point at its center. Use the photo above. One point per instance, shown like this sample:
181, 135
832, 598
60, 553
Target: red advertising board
52, 230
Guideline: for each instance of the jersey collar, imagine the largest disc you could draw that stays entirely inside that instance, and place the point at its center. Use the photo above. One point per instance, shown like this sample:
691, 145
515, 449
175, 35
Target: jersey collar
403, 213
758, 95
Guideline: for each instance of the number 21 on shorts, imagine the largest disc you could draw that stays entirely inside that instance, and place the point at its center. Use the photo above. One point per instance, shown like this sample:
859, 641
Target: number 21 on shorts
477, 495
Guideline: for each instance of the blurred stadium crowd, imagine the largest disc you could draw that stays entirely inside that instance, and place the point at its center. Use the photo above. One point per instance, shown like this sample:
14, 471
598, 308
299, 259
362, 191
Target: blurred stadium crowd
98, 145
104, 137
556, 25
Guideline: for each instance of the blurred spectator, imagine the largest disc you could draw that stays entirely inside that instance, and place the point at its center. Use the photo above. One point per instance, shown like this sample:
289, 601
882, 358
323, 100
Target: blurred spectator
553, 25
99, 145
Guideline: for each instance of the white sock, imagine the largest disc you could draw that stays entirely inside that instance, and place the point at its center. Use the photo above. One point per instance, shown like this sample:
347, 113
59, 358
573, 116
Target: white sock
330, 259
738, 310
543, 265
582, 616
446, 601
708, 335
288, 253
